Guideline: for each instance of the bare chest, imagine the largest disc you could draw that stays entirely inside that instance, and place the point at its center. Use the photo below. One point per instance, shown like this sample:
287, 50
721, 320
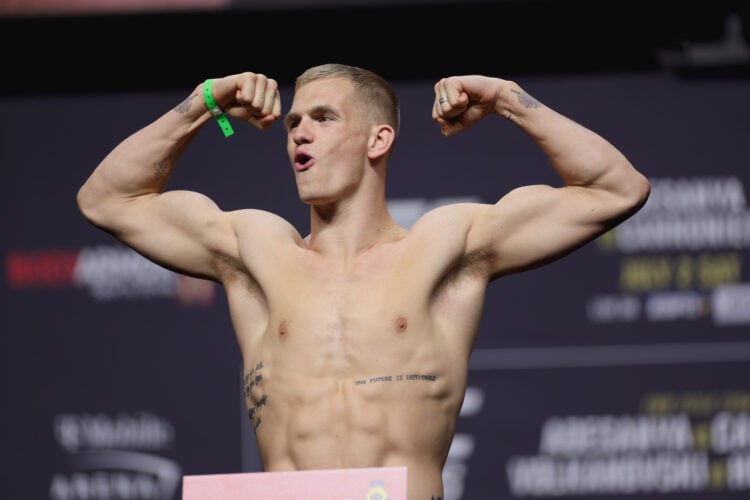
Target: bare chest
378, 313
348, 316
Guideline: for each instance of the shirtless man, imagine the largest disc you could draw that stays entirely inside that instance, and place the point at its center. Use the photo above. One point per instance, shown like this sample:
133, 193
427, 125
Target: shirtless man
356, 337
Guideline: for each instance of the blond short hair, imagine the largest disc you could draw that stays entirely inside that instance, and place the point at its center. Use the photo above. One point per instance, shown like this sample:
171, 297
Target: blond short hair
377, 95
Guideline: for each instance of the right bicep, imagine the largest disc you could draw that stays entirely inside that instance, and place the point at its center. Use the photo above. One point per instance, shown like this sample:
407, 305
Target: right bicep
181, 230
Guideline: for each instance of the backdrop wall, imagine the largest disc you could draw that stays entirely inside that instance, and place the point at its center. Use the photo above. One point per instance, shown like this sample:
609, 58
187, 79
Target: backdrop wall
622, 370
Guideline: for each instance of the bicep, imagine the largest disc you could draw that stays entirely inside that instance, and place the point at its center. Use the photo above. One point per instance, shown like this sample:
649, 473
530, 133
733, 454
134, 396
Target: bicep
534, 225
181, 230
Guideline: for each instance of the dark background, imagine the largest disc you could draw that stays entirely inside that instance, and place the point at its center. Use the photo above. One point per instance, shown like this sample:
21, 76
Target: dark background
118, 396
413, 40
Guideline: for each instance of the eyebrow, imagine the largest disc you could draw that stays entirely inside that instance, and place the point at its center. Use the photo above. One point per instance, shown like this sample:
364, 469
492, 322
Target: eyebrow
290, 118
317, 110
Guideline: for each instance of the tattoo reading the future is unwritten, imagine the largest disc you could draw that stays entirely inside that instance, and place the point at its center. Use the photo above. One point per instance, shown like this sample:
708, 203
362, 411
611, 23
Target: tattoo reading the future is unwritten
405, 377
254, 378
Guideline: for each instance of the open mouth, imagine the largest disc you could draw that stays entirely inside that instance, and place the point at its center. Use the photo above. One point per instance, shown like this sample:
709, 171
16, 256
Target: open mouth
302, 161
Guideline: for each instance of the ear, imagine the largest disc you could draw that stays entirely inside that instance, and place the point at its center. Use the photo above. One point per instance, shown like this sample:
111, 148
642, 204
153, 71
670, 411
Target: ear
381, 141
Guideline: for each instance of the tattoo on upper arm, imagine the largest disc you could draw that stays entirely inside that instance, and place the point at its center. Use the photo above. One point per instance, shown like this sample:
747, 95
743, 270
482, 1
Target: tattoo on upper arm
252, 379
526, 100
164, 167
161, 169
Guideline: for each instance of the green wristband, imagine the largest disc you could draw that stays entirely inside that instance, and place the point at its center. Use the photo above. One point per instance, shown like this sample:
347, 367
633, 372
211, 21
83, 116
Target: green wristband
215, 110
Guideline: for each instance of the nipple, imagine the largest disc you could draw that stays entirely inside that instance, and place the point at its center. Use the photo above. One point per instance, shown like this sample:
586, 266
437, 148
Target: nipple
401, 324
283, 330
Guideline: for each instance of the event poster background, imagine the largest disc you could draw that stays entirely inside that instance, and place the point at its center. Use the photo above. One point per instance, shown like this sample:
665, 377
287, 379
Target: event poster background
621, 370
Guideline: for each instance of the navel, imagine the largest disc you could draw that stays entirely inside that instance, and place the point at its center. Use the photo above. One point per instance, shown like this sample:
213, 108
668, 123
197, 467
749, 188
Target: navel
401, 324
283, 330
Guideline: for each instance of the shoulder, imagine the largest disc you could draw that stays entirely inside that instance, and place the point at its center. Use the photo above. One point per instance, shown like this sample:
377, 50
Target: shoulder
442, 232
261, 238
251, 221
449, 221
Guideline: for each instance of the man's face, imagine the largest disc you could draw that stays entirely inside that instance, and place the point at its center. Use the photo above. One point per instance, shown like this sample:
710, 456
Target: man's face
326, 140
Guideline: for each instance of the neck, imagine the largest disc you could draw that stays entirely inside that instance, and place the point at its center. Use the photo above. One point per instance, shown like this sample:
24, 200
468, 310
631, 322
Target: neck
346, 230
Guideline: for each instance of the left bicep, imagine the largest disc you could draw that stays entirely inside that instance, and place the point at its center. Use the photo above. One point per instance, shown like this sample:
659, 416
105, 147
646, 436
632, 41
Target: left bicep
533, 225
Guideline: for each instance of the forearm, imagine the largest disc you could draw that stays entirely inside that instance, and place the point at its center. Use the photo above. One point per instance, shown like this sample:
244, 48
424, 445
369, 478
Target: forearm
142, 163
580, 156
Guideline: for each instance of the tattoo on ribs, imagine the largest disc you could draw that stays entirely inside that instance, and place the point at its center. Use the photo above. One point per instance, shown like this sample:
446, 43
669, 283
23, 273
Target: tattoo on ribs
254, 378
396, 378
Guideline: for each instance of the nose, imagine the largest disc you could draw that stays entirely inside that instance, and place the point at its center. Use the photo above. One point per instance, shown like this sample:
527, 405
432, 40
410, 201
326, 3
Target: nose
301, 133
